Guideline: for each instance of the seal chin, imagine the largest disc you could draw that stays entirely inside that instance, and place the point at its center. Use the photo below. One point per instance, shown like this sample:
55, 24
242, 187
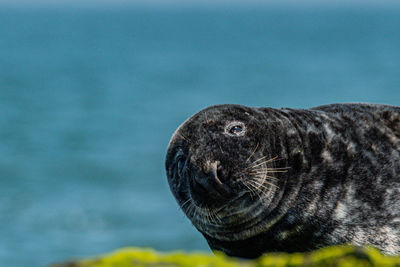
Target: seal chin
232, 220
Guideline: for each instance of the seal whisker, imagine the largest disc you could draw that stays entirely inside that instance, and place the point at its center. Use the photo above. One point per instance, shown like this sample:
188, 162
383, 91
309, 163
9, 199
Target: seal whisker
260, 163
183, 137
257, 186
189, 209
268, 160
273, 171
264, 174
264, 162
183, 205
258, 180
220, 148
268, 169
279, 168
210, 216
252, 166
218, 217
250, 190
263, 182
202, 217
252, 153
262, 187
206, 214
254, 189
215, 216
194, 210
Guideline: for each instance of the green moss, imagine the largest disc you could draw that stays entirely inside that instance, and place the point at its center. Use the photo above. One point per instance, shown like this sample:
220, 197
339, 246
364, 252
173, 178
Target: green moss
340, 256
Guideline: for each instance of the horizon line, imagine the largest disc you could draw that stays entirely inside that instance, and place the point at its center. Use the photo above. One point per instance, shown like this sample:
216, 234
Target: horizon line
197, 3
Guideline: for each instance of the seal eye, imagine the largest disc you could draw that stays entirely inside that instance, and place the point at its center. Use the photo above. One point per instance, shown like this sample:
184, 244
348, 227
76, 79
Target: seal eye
235, 128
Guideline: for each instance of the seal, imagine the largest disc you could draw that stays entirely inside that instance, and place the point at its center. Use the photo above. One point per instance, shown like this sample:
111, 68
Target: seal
256, 180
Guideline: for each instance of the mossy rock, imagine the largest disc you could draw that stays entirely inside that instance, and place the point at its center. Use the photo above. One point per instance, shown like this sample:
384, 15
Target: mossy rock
340, 256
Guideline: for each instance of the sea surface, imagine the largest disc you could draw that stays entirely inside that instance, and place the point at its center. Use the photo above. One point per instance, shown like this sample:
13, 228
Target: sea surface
89, 99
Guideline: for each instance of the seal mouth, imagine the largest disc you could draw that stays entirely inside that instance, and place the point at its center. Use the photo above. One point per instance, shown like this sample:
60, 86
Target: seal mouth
230, 218
230, 209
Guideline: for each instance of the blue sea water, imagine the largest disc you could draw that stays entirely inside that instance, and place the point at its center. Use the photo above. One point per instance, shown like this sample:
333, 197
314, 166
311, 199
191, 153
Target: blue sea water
90, 97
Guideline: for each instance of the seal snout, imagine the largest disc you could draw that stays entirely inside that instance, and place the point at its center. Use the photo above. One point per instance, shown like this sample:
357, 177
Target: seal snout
207, 185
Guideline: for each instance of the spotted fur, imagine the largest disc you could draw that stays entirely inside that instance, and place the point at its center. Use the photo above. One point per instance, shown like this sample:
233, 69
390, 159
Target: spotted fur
324, 176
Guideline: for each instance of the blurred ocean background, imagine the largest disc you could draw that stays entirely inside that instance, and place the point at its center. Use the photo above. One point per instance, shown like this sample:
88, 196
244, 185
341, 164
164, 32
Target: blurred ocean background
89, 98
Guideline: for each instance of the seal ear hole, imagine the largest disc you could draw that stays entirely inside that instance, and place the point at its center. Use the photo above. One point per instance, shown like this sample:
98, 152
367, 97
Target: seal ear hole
180, 164
235, 128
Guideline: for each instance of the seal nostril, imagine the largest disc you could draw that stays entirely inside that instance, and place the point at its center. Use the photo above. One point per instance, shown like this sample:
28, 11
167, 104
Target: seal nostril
215, 172
220, 175
209, 175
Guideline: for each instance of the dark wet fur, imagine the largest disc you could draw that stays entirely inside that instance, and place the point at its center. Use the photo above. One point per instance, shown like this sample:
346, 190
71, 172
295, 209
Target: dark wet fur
342, 184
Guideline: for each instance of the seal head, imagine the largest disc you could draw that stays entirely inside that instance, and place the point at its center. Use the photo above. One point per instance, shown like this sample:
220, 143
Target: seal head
225, 172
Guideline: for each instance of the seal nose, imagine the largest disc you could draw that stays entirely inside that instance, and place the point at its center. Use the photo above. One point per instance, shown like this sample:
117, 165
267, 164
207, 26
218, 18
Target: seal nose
210, 182
212, 171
